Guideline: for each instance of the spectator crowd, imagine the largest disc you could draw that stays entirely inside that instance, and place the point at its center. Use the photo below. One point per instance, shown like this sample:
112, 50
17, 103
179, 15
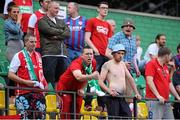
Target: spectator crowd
86, 56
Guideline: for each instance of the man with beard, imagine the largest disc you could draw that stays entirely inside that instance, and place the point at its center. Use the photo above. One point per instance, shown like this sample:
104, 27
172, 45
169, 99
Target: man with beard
159, 86
153, 48
152, 51
116, 72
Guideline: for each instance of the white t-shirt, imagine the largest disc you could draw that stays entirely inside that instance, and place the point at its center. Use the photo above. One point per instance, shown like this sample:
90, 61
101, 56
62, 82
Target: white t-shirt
152, 50
139, 53
15, 63
53, 19
33, 19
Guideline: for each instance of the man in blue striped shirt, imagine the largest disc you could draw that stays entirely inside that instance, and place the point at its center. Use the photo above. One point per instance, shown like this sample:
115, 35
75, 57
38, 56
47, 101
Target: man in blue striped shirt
76, 24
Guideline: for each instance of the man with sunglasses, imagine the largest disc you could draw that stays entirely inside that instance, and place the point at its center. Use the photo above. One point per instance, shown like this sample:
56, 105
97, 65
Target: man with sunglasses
159, 86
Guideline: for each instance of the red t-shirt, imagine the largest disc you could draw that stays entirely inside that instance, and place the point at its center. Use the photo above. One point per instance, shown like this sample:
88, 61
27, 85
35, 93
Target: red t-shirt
67, 80
23, 70
39, 15
100, 33
161, 78
26, 9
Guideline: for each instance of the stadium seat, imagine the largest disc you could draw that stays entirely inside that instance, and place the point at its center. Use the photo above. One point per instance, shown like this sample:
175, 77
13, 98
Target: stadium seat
171, 97
4, 66
141, 84
140, 81
2, 99
12, 109
2, 93
91, 114
51, 107
142, 110
51, 103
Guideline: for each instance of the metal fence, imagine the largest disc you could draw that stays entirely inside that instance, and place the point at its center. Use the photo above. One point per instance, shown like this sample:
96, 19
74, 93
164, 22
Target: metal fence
53, 110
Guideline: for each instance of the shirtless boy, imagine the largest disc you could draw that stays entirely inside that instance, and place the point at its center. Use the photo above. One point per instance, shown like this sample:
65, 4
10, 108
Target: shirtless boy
116, 73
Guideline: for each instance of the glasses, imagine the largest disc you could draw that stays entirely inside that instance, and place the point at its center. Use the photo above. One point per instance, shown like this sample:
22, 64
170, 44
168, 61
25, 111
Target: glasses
104, 8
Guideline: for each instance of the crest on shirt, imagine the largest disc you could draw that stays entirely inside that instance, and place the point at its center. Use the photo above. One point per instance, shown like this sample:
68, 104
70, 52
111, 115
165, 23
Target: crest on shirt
80, 22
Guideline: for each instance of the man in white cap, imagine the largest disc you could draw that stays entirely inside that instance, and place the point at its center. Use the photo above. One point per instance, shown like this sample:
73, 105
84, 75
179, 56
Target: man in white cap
116, 72
126, 38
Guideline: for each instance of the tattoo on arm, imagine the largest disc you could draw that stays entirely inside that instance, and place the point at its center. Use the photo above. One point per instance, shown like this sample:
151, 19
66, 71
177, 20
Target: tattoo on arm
105, 66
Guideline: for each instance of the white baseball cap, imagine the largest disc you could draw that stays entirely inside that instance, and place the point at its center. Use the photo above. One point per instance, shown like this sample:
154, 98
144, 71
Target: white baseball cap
118, 47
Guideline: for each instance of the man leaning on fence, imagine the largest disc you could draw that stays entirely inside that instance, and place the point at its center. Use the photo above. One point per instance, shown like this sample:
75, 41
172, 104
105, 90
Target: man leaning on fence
116, 72
159, 86
26, 70
75, 79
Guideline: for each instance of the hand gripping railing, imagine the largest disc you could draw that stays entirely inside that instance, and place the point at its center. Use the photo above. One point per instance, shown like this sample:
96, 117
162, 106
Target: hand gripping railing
7, 88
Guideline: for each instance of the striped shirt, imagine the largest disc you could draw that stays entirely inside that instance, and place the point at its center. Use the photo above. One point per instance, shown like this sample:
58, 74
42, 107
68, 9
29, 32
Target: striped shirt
77, 31
129, 43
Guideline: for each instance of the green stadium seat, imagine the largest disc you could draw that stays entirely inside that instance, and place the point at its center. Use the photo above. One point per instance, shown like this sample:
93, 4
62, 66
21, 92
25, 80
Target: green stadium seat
141, 84
4, 68
140, 81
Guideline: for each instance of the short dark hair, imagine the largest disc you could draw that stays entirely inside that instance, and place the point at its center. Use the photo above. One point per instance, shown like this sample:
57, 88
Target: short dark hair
158, 36
27, 36
178, 47
86, 47
10, 6
103, 2
163, 51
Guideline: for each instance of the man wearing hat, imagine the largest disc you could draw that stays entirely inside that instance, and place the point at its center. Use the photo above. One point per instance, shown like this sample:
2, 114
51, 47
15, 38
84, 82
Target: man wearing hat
126, 38
116, 72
